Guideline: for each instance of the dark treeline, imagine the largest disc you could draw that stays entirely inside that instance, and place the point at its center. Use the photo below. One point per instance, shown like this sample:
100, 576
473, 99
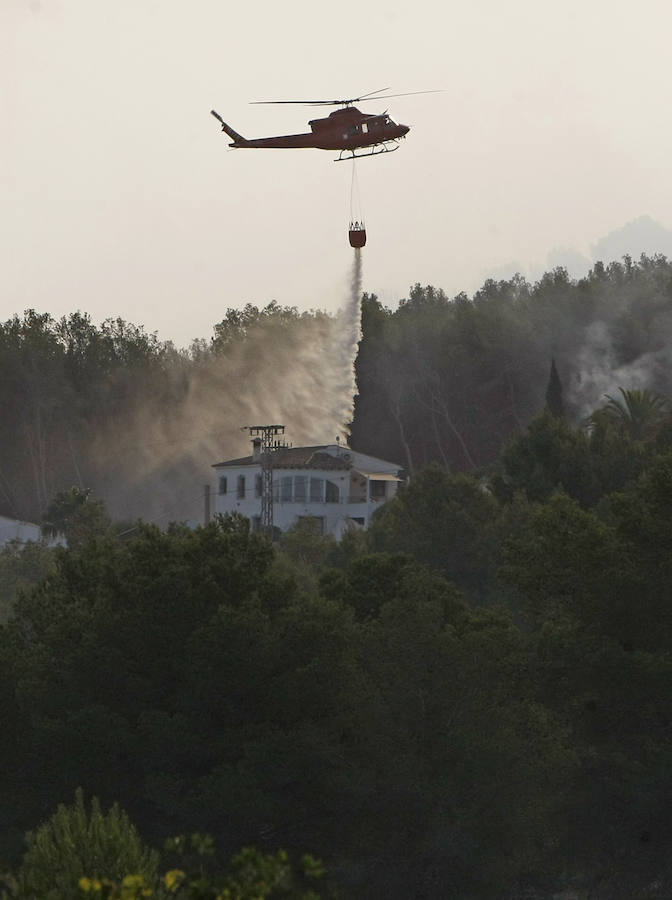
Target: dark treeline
472, 699
64, 386
112, 409
449, 380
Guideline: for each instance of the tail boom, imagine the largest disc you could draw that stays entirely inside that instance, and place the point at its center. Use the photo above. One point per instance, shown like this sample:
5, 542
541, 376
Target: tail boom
280, 141
238, 139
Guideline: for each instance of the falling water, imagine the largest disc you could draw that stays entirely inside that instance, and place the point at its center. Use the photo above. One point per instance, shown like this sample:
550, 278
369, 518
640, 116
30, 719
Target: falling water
298, 372
350, 331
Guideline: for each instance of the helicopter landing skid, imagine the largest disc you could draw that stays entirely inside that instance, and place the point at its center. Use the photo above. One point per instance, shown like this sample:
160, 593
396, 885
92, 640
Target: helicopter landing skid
382, 148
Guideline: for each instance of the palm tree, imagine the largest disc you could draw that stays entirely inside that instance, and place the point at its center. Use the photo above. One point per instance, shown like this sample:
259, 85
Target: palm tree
638, 411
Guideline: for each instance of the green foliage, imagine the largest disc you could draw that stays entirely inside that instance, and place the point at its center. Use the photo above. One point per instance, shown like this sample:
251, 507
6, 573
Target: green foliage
597, 590
450, 381
469, 700
62, 383
238, 324
374, 579
70, 843
73, 842
552, 456
304, 545
445, 521
554, 401
21, 566
251, 875
564, 558
638, 411
75, 516
262, 875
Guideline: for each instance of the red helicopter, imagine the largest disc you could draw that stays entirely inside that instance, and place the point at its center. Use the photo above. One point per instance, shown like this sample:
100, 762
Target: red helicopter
346, 129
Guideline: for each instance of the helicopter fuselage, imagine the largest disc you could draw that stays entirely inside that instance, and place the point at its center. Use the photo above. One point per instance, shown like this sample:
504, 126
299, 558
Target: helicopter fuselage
343, 129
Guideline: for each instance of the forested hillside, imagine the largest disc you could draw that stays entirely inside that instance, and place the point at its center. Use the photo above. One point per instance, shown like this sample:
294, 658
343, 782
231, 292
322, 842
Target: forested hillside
112, 409
449, 380
471, 699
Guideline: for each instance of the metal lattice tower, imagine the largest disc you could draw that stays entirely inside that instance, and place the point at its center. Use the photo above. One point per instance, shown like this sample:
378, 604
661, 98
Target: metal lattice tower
270, 442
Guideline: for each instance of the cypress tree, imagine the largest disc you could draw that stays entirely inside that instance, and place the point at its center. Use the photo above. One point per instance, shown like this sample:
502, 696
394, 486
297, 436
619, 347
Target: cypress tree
554, 402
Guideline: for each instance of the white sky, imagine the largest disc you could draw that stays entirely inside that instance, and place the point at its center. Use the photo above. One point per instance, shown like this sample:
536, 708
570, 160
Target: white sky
119, 196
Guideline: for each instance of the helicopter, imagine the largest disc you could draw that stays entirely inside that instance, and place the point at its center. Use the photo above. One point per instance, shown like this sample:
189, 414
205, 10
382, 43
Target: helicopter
346, 129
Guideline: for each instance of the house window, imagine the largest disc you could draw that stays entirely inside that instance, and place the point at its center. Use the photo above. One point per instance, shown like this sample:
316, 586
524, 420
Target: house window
377, 490
241, 487
257, 486
332, 492
300, 488
316, 490
256, 523
222, 484
286, 489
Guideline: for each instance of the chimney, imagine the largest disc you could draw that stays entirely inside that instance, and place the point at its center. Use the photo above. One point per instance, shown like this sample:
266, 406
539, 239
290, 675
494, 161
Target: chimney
256, 449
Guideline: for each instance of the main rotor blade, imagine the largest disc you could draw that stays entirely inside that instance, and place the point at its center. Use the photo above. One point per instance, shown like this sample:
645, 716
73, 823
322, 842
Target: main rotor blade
367, 98
324, 102
406, 94
364, 96
301, 102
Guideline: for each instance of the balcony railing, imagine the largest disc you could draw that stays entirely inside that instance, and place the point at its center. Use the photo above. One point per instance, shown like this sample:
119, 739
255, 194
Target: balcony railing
344, 501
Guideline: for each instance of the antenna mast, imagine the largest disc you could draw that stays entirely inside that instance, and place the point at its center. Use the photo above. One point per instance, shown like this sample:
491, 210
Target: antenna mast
270, 442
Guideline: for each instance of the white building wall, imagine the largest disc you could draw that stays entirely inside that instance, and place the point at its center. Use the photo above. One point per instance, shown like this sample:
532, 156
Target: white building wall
15, 530
337, 515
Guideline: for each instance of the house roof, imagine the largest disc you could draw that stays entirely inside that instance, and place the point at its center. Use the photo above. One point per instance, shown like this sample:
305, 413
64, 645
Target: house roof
297, 458
379, 476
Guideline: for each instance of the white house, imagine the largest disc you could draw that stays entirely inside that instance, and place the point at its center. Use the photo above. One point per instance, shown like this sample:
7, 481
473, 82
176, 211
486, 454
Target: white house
335, 487
22, 532
16, 530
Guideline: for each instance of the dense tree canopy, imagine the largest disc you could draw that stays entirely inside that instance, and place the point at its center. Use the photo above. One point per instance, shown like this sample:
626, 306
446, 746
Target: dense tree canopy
470, 700
439, 379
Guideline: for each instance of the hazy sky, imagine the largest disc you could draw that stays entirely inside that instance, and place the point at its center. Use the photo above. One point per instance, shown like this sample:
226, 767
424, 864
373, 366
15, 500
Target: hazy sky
119, 195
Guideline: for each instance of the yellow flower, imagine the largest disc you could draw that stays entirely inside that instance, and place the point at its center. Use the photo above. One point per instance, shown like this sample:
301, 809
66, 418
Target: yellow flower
173, 879
85, 885
132, 886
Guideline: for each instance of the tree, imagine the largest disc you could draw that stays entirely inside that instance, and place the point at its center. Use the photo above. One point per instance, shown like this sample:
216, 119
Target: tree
463, 752
305, 545
445, 521
74, 842
596, 590
21, 567
118, 617
551, 455
371, 580
554, 402
75, 516
638, 411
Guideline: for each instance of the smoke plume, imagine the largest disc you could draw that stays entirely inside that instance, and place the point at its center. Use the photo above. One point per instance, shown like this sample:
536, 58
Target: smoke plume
599, 372
296, 370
